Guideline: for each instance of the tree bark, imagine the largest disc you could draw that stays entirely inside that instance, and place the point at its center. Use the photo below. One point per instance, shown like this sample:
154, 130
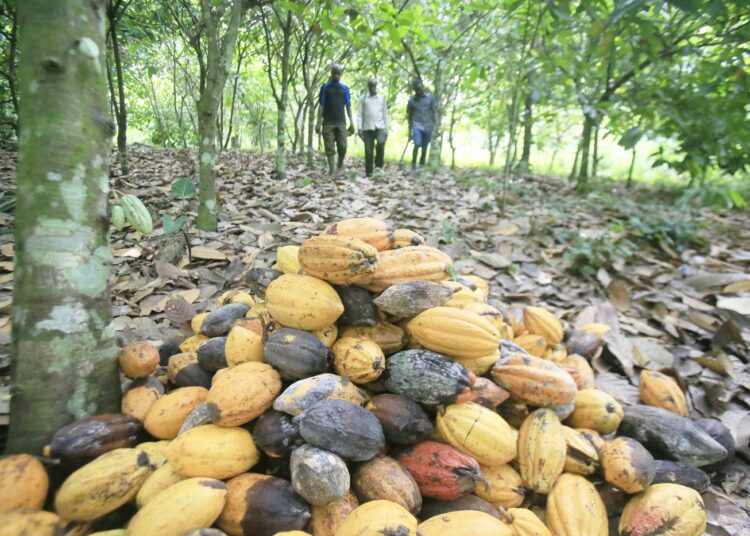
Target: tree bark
630, 171
65, 359
583, 172
437, 139
595, 159
10, 75
220, 52
122, 116
528, 123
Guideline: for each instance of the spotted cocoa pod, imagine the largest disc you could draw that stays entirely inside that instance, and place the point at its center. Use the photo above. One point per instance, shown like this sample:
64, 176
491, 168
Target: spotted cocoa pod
384, 478
627, 464
664, 509
318, 476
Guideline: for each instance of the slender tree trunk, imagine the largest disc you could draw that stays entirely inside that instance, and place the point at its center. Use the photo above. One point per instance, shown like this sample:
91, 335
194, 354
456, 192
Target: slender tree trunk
283, 101
437, 139
450, 136
595, 159
65, 359
122, 115
234, 99
207, 219
11, 76
220, 122
574, 169
310, 131
583, 173
528, 123
630, 171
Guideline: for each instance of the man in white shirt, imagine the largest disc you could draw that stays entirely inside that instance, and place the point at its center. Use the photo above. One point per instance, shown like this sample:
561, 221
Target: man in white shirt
372, 123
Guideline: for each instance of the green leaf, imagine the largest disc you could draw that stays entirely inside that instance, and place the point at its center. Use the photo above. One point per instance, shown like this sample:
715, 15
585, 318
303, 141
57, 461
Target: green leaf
685, 5
183, 188
631, 137
451, 271
737, 199
172, 225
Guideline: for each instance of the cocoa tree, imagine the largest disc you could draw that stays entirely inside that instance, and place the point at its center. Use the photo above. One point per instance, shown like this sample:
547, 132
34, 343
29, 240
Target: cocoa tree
65, 359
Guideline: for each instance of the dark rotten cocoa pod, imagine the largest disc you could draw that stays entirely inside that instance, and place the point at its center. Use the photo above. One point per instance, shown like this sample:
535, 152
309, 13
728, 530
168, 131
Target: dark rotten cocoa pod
359, 309
84, 440
440, 471
296, 354
434, 507
170, 348
383, 478
218, 322
404, 422
206, 532
262, 505
721, 435
487, 393
258, 279
669, 472
211, 354
627, 464
319, 476
410, 298
671, 436
584, 344
427, 377
185, 371
343, 428
276, 434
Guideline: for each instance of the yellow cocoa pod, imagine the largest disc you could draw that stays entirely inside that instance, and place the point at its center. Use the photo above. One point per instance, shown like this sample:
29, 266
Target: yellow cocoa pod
503, 486
243, 393
327, 335
556, 353
197, 322
541, 450
303, 302
464, 523
164, 477
462, 295
580, 370
595, 328
358, 358
191, 344
23, 483
457, 333
243, 345
526, 523
668, 509
662, 391
489, 312
235, 296
534, 380
481, 365
138, 359
627, 465
581, 456
31, 522
166, 415
338, 259
213, 451
103, 485
156, 450
405, 237
287, 260
483, 286
596, 410
325, 520
574, 508
376, 518
536, 345
377, 233
541, 322
478, 432
184, 506
388, 336
411, 263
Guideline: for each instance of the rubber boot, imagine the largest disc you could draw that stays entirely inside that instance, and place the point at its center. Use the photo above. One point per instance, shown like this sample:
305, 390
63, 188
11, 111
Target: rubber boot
331, 164
340, 166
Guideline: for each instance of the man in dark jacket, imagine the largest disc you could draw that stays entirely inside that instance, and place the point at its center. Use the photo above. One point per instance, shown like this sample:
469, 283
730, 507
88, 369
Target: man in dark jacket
335, 106
420, 113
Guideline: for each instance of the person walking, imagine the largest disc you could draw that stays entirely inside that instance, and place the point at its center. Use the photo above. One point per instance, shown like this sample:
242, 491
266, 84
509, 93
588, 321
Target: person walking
334, 107
420, 114
372, 124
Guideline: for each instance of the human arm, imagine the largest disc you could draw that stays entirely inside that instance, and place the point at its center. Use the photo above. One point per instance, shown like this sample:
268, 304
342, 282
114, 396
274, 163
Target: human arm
350, 130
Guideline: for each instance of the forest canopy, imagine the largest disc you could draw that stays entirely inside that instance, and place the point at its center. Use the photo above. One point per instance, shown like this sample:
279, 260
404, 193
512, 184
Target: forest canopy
512, 78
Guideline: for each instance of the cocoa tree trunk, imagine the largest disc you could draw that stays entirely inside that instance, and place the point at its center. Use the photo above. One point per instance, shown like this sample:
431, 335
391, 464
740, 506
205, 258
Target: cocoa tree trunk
583, 173
114, 13
528, 123
65, 360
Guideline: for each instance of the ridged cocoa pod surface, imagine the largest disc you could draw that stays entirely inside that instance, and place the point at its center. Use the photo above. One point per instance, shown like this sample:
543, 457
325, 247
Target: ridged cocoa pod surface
343, 428
574, 508
384, 478
668, 509
541, 450
627, 464
325, 520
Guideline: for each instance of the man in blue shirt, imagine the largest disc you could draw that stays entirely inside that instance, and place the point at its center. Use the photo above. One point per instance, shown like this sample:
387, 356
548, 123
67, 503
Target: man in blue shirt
420, 114
335, 106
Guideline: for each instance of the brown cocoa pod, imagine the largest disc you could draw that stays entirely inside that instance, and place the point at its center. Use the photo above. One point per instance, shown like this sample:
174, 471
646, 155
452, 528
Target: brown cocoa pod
325, 520
82, 441
434, 507
404, 422
383, 478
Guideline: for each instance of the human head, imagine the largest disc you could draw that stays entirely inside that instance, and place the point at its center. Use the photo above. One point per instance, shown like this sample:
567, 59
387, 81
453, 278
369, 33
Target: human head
372, 85
336, 71
418, 86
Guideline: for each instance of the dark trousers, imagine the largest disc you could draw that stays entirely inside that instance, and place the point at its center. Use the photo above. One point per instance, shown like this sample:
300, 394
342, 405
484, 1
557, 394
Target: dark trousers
374, 142
422, 140
334, 137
